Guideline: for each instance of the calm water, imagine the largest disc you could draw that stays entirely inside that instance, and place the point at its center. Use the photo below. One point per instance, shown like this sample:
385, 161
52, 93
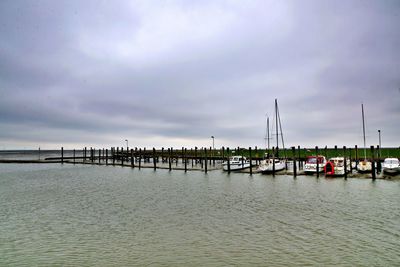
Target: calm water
52, 215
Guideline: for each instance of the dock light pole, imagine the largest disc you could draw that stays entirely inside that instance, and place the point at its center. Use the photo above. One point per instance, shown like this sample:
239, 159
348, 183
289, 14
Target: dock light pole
127, 146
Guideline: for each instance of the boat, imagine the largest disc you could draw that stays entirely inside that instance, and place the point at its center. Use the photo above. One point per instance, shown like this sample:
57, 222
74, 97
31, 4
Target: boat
335, 166
274, 164
391, 166
311, 164
236, 163
267, 165
364, 165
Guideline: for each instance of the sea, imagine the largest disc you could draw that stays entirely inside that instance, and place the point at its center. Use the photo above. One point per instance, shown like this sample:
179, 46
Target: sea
86, 215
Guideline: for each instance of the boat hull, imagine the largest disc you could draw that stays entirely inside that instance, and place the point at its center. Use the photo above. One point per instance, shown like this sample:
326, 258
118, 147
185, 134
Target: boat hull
236, 166
267, 167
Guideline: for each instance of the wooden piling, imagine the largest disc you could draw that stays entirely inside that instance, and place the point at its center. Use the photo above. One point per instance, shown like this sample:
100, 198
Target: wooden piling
99, 156
154, 159
373, 163
169, 159
85, 154
162, 154
294, 162
316, 152
350, 159
191, 155
205, 160
106, 156
378, 160
228, 160
345, 162
251, 165
140, 158
195, 154
62, 155
273, 161
74, 156
185, 156
336, 154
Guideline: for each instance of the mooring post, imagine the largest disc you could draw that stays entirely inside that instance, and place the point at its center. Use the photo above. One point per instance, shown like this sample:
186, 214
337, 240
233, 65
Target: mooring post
345, 162
117, 152
299, 157
223, 154
169, 159
273, 161
195, 154
74, 155
326, 152
251, 166
85, 154
373, 163
294, 162
91, 154
378, 160
132, 159
316, 152
185, 156
106, 156
350, 159
140, 158
122, 156
205, 160
154, 159
99, 156
256, 155
144, 155
162, 155
228, 160
336, 154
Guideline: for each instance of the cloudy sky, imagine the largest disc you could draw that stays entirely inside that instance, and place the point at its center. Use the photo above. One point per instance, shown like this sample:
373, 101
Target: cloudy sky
175, 73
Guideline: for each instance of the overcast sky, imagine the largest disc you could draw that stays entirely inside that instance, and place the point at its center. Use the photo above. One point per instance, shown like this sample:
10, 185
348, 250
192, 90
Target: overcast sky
175, 73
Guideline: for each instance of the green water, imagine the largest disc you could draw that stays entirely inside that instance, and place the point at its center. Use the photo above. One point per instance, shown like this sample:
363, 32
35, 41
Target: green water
53, 215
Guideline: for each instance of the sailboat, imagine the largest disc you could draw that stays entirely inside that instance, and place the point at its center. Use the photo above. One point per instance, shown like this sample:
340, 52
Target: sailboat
274, 164
364, 165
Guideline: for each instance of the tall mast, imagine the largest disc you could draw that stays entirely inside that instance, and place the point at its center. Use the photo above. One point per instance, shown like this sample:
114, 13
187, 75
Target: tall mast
365, 149
268, 131
276, 122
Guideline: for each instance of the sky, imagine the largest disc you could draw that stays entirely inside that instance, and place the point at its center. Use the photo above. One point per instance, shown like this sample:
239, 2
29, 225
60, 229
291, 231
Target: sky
174, 73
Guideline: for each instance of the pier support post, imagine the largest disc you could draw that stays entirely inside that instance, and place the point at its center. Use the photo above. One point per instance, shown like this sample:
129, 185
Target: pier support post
373, 163
378, 160
99, 156
351, 159
205, 160
195, 155
140, 158
345, 162
85, 154
154, 159
273, 161
186, 160
228, 160
74, 156
62, 155
294, 162
113, 155
132, 159
299, 157
169, 159
316, 152
251, 165
106, 156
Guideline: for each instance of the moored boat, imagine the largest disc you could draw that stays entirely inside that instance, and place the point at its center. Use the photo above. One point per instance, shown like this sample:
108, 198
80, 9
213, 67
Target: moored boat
391, 166
312, 162
236, 163
364, 165
267, 165
336, 166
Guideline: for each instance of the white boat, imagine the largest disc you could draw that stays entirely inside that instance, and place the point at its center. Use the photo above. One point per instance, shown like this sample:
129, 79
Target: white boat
364, 165
236, 163
311, 164
267, 165
335, 166
391, 166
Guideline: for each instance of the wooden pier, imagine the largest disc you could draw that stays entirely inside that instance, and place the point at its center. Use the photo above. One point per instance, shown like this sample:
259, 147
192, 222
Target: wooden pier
207, 159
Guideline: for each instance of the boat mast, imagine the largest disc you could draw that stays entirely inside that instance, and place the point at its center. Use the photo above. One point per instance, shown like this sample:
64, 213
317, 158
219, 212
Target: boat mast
365, 149
268, 132
276, 122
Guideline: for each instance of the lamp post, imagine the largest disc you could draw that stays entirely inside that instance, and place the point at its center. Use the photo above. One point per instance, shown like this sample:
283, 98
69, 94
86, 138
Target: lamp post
127, 146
